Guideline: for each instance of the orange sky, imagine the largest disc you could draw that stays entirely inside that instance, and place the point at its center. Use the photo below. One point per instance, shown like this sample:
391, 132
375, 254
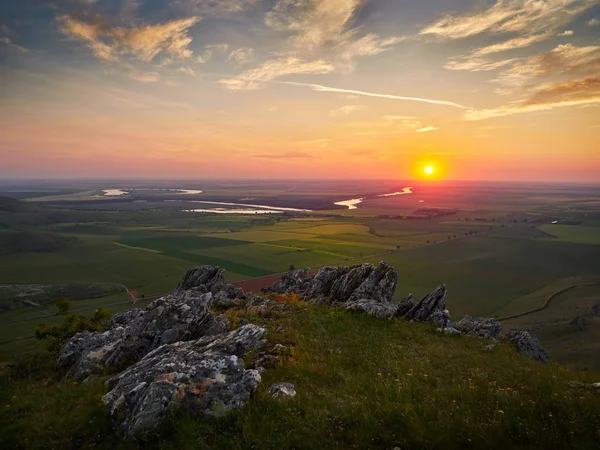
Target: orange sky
303, 89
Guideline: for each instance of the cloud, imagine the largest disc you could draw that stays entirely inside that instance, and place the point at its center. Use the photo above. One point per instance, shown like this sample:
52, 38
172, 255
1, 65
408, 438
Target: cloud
566, 33
189, 71
476, 65
297, 154
408, 122
319, 88
272, 69
426, 129
241, 56
214, 7
143, 42
325, 27
10, 45
509, 16
152, 77
593, 22
564, 76
511, 44
314, 22
345, 110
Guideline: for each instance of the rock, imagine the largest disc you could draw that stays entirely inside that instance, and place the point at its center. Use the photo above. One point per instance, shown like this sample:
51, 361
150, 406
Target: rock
296, 281
528, 345
477, 326
265, 362
578, 322
404, 306
181, 316
341, 284
380, 285
123, 318
206, 276
490, 347
282, 390
372, 308
205, 375
432, 309
451, 330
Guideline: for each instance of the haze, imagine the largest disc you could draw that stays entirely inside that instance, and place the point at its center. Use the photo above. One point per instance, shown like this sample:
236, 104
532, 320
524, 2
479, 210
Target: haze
505, 90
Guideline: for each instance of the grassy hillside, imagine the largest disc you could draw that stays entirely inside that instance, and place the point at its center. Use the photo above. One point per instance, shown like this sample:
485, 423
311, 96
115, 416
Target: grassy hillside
362, 383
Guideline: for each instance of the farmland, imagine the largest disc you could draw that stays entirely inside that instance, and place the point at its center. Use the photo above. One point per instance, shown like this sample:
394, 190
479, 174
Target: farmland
494, 246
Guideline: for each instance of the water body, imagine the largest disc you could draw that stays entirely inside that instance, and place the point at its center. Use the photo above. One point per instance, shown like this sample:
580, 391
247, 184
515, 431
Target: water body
406, 190
234, 211
119, 192
351, 204
114, 192
272, 208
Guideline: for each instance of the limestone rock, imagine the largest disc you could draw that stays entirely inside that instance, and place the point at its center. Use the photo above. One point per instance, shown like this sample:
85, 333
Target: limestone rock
477, 326
183, 315
370, 307
404, 306
432, 309
294, 281
380, 285
205, 375
282, 390
528, 345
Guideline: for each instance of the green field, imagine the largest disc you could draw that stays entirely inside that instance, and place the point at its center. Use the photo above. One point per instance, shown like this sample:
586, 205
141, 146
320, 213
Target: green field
497, 251
574, 233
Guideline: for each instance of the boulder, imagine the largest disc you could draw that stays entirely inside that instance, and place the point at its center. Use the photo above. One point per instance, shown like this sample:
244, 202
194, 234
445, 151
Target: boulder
528, 345
478, 326
209, 279
370, 307
404, 306
205, 375
432, 309
341, 284
294, 281
181, 316
282, 390
379, 285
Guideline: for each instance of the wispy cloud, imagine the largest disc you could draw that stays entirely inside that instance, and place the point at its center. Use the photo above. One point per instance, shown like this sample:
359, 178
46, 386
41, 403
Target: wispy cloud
476, 64
7, 43
510, 16
345, 110
270, 70
214, 7
566, 33
143, 43
593, 22
565, 76
241, 56
296, 154
426, 129
320, 88
152, 77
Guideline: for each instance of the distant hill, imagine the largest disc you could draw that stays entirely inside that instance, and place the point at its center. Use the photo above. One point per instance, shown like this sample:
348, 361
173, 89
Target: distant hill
33, 241
8, 204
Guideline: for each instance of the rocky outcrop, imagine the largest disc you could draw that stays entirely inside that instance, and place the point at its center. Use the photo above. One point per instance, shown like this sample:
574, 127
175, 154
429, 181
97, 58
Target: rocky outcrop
341, 284
480, 327
432, 309
282, 390
205, 375
528, 345
384, 310
181, 316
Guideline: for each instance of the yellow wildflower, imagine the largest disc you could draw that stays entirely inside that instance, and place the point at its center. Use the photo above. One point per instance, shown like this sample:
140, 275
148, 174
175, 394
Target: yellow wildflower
425, 375
397, 380
378, 374
409, 374
500, 411
550, 415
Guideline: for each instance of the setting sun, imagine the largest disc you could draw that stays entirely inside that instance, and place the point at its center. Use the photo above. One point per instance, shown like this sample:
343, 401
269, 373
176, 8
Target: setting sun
429, 170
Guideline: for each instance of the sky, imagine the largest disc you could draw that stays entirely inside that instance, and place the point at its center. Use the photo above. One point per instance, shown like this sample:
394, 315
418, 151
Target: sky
376, 89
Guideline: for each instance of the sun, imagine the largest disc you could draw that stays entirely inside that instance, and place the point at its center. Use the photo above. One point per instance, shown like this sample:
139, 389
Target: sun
429, 170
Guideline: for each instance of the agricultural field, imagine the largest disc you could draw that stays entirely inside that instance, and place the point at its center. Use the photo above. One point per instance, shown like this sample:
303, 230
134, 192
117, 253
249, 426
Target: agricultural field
494, 246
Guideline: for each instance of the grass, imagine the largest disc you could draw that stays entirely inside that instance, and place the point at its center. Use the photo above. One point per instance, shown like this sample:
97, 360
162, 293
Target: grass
362, 383
574, 233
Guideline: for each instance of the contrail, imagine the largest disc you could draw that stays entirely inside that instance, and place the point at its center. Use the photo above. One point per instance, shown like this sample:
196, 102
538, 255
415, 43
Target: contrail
318, 87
